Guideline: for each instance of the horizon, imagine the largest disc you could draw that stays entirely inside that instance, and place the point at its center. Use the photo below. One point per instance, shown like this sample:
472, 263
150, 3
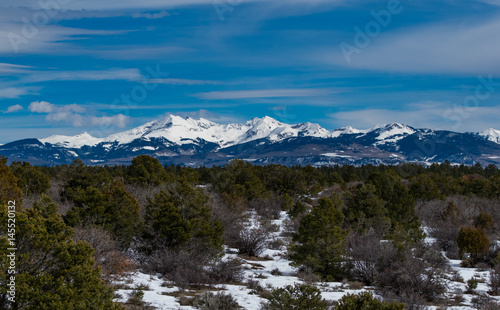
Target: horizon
85, 66
365, 130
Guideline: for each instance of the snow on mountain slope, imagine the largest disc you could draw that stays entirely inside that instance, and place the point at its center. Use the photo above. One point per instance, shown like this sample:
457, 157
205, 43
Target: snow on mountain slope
392, 132
491, 134
72, 141
346, 131
181, 130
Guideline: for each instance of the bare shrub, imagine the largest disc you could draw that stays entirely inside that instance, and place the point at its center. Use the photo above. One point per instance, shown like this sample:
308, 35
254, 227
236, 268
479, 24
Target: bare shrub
276, 244
485, 303
364, 251
55, 193
307, 275
225, 271
495, 281
250, 241
407, 278
107, 250
268, 208
185, 267
446, 239
219, 301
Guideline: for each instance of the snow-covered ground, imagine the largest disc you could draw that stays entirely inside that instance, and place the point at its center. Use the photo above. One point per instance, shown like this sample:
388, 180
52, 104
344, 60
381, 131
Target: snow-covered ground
162, 294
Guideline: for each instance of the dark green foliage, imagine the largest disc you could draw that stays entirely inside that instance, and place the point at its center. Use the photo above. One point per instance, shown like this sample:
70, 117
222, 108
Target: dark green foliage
399, 203
484, 221
9, 189
366, 301
472, 241
297, 209
102, 201
472, 284
320, 240
111, 207
181, 214
424, 187
81, 177
167, 221
53, 272
30, 179
147, 171
364, 210
299, 297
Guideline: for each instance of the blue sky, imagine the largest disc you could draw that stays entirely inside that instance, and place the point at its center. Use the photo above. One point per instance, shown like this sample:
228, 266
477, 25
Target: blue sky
69, 66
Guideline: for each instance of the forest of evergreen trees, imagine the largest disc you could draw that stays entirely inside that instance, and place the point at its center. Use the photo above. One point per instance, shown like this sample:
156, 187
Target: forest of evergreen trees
79, 227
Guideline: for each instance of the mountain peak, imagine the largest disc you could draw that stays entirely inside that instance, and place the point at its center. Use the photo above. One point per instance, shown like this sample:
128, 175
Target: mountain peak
491, 134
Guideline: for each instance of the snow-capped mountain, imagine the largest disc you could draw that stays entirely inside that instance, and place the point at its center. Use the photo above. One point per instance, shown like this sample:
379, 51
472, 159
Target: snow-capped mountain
186, 130
189, 141
492, 135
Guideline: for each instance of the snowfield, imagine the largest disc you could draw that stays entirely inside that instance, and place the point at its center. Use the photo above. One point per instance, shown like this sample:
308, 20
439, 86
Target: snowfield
161, 293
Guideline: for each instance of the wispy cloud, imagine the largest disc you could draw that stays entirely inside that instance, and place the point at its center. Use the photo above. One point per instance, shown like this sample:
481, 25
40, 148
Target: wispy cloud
214, 117
122, 52
8, 69
16, 38
13, 108
134, 4
444, 48
15, 92
265, 93
150, 15
76, 115
94, 75
429, 114
183, 82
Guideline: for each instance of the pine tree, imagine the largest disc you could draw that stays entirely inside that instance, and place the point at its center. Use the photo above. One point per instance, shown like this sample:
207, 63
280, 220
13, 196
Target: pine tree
147, 171
320, 240
9, 191
111, 207
182, 214
364, 210
53, 272
29, 178
399, 203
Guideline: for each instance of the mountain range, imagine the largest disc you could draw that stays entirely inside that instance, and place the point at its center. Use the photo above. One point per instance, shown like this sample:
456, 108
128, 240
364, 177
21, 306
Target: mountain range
196, 142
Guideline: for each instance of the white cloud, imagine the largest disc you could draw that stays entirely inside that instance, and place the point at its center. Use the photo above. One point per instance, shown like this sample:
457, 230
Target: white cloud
206, 114
429, 114
449, 48
8, 69
14, 92
133, 75
118, 120
151, 15
125, 52
76, 115
41, 107
264, 93
143, 4
183, 82
16, 38
14, 108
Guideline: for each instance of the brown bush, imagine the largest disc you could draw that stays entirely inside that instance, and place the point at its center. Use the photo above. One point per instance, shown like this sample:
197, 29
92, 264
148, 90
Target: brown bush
107, 251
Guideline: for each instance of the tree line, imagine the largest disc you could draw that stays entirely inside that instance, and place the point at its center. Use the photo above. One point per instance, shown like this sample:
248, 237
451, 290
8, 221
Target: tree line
79, 226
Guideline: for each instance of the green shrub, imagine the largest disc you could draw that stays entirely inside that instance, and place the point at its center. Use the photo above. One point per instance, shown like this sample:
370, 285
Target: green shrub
472, 285
366, 301
472, 241
299, 296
